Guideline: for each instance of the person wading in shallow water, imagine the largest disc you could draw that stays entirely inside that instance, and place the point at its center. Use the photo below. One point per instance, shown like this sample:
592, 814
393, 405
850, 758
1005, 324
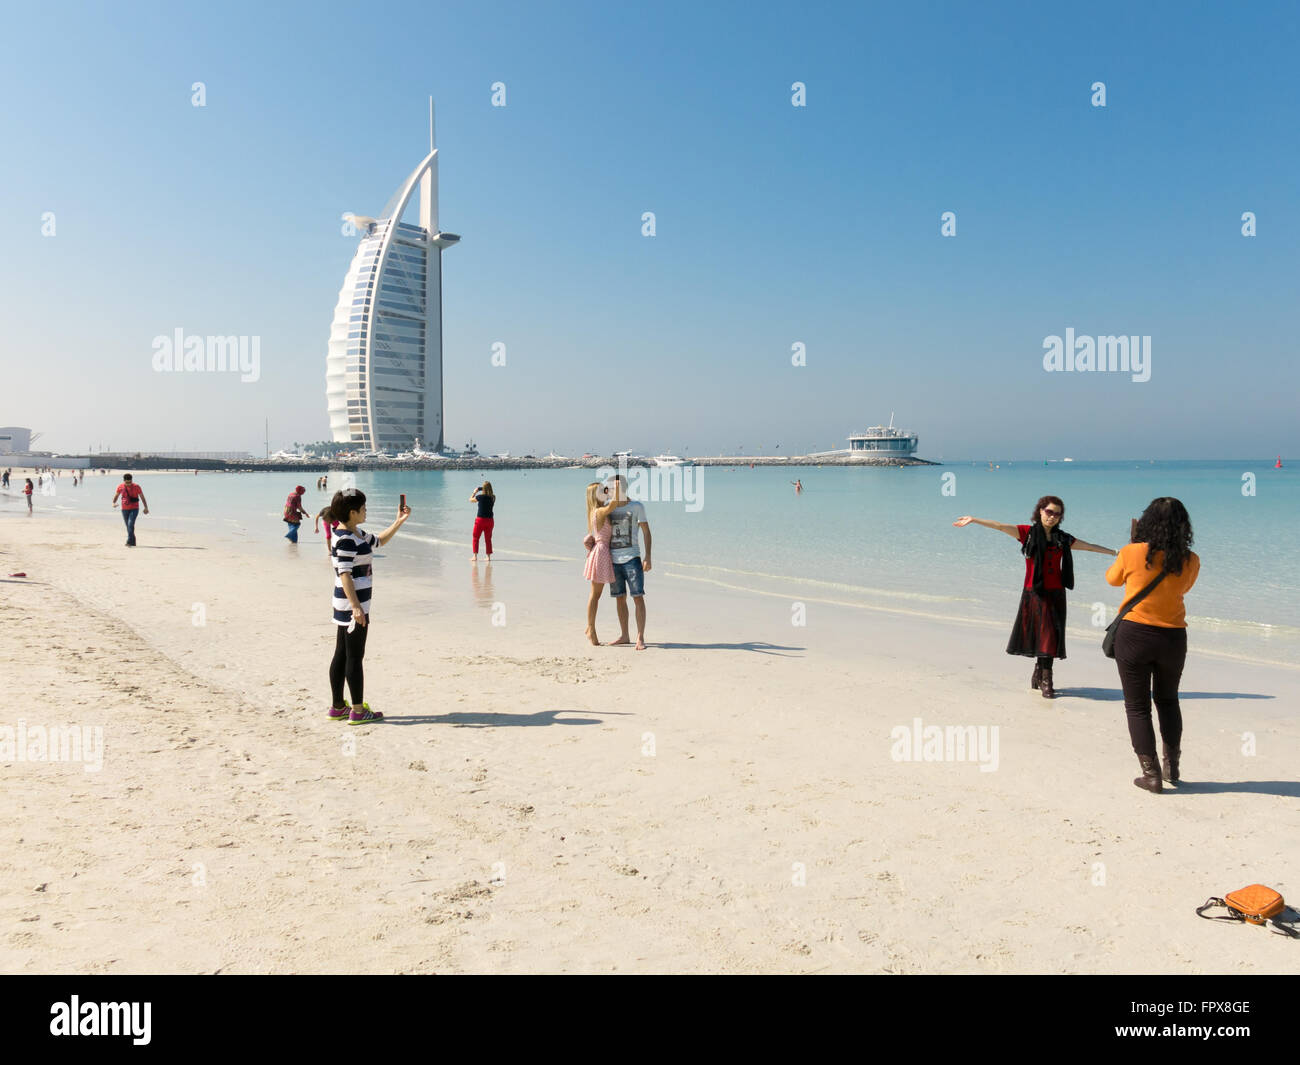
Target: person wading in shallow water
1039, 630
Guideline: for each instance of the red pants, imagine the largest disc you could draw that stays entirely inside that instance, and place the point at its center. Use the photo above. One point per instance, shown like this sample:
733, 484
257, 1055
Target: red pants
483, 526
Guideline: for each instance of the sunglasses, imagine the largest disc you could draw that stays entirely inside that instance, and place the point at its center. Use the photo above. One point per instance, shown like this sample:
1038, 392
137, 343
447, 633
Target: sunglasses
1053, 513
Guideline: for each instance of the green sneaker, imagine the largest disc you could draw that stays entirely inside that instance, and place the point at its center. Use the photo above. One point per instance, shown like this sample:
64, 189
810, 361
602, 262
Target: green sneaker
363, 715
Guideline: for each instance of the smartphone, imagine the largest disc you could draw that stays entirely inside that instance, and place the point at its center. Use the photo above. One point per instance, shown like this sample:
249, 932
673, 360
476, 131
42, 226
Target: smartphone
1132, 530
401, 506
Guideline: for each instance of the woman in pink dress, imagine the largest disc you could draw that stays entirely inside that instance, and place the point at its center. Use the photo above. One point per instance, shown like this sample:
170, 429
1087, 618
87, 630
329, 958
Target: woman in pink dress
600, 566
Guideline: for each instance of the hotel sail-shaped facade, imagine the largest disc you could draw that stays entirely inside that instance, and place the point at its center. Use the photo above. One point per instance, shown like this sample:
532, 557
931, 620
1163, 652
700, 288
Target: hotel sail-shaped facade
383, 375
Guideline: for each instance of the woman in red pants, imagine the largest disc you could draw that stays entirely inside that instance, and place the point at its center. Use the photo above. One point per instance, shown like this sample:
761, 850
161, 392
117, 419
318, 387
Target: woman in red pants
486, 500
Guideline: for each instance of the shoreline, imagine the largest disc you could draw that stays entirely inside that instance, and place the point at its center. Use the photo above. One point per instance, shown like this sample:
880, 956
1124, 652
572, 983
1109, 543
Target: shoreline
156, 464
726, 801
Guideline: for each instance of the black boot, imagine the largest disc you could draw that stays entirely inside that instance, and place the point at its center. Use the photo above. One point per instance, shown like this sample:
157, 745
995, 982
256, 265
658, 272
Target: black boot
1045, 684
1150, 778
1171, 764
1036, 679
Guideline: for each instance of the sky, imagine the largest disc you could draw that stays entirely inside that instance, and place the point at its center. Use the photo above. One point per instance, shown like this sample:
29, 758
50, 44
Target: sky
133, 213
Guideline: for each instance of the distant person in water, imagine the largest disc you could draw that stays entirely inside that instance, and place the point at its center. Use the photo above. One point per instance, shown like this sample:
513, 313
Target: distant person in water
1151, 641
294, 513
798, 486
485, 522
132, 496
1039, 630
27, 491
331, 526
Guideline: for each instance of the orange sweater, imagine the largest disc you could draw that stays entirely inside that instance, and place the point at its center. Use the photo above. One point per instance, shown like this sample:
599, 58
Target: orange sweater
1164, 606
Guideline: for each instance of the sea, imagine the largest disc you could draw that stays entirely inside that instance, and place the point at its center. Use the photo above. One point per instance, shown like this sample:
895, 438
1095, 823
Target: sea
880, 540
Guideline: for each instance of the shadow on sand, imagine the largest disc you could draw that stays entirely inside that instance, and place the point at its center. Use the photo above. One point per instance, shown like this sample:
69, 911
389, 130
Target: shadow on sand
758, 646
484, 720
1289, 789
1116, 695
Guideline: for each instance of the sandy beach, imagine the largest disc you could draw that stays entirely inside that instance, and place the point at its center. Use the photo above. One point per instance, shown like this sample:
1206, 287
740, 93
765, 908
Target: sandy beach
737, 798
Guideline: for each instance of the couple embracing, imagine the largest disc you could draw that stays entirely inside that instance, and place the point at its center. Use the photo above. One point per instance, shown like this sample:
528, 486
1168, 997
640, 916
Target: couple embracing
614, 523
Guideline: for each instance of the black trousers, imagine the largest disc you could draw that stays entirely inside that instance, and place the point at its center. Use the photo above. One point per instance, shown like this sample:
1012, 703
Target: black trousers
349, 650
1150, 661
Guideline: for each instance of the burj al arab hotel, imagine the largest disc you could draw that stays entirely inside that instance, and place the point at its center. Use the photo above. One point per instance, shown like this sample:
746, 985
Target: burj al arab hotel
383, 372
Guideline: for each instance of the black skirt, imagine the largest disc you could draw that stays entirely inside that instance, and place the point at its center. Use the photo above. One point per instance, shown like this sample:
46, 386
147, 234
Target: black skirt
1039, 630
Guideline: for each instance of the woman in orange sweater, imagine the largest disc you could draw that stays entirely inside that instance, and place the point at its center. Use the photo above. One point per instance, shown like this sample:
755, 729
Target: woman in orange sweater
1151, 642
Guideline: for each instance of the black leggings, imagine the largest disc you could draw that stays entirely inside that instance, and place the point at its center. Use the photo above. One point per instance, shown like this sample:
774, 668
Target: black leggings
1150, 660
349, 650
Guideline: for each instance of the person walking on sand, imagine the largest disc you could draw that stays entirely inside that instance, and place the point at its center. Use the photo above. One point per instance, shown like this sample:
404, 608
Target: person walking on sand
1151, 640
599, 568
1039, 630
132, 496
626, 520
294, 513
27, 491
484, 523
353, 552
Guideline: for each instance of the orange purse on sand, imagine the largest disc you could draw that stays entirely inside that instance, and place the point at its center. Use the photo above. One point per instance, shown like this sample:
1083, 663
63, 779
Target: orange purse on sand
1255, 904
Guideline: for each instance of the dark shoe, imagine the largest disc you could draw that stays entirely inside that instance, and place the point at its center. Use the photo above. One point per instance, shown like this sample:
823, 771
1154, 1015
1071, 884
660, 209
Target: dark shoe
1150, 778
1036, 679
1170, 764
1045, 684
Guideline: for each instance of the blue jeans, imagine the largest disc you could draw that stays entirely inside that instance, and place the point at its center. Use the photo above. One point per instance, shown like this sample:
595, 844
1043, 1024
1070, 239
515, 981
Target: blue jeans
628, 577
129, 517
292, 534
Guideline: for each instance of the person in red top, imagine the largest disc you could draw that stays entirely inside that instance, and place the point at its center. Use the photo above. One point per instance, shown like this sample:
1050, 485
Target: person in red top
294, 513
132, 496
27, 491
1039, 631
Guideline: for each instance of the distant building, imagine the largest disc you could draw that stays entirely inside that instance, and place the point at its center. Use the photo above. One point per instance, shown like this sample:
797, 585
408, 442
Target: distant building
383, 372
15, 441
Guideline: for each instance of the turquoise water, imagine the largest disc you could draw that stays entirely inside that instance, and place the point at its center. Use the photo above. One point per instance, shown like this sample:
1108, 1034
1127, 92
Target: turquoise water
862, 537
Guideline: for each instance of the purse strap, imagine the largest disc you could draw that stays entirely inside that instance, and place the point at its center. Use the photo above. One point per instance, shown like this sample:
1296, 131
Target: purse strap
1139, 597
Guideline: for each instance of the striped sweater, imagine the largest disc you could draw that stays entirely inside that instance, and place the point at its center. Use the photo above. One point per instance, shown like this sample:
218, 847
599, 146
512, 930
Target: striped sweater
352, 554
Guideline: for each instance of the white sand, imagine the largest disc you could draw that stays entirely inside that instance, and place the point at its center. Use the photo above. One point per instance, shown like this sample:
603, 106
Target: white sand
510, 819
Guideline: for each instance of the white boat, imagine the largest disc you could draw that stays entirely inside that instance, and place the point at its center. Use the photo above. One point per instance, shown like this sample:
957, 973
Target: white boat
671, 460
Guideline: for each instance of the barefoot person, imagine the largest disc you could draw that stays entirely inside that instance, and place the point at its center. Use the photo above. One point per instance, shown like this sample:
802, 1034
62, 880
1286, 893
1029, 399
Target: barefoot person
353, 551
599, 568
486, 500
626, 519
132, 496
1039, 631
1151, 641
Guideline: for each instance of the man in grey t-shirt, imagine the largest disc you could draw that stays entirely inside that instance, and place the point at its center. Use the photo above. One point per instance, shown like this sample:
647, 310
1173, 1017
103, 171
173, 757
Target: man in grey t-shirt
628, 519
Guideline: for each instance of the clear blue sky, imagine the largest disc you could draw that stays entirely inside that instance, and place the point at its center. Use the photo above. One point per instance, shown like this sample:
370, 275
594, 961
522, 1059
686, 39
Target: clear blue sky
775, 224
